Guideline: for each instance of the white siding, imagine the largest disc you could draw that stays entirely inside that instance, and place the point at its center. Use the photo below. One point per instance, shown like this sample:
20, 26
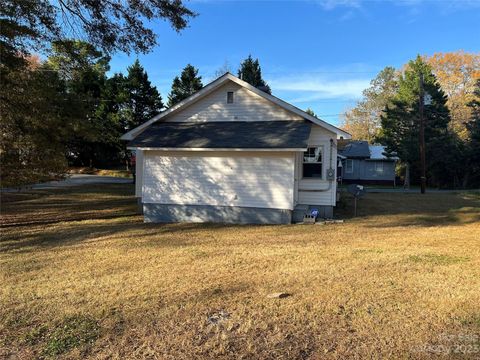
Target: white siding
318, 191
246, 106
263, 180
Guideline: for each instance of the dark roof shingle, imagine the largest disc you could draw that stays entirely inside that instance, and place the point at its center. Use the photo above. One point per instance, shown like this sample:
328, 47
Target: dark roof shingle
226, 135
354, 149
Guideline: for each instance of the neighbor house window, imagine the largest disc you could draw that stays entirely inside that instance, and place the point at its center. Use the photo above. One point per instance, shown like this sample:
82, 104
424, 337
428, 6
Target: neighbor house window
312, 162
348, 166
230, 97
379, 167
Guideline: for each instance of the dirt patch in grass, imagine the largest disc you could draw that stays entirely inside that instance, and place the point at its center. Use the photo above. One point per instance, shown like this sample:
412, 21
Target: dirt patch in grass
81, 276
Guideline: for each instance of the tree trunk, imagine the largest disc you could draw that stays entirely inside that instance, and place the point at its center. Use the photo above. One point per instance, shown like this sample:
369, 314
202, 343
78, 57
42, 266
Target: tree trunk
406, 184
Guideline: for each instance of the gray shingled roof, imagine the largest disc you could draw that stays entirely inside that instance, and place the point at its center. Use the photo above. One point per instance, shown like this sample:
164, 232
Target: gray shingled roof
355, 149
226, 135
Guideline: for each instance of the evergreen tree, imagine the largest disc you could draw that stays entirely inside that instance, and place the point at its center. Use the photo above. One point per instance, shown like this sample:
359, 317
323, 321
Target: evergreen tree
251, 72
111, 122
187, 84
35, 122
472, 163
143, 99
310, 112
111, 25
400, 126
83, 70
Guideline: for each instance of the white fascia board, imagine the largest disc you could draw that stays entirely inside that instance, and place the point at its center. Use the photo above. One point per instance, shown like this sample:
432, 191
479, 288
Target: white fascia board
195, 97
217, 83
218, 149
291, 108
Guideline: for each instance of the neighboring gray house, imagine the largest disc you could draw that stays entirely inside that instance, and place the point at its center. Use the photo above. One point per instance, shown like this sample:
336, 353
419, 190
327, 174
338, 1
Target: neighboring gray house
365, 164
235, 154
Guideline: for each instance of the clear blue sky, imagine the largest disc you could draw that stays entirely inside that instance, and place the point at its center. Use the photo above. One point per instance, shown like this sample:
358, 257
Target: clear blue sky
318, 54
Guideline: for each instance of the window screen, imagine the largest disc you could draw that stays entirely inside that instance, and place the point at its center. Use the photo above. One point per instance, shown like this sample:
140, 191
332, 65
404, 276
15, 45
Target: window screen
312, 162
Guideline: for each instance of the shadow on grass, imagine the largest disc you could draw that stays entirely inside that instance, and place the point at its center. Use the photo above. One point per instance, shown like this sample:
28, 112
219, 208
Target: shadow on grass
127, 229
43, 207
435, 209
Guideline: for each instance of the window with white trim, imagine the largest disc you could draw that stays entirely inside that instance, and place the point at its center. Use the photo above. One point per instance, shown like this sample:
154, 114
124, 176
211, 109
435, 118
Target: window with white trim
348, 166
312, 162
229, 97
379, 167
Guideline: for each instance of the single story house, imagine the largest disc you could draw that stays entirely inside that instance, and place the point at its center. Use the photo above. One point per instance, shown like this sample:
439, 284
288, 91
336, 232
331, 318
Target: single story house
232, 153
365, 164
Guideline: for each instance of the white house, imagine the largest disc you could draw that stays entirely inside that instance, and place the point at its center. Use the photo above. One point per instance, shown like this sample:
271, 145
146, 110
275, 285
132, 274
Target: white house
235, 154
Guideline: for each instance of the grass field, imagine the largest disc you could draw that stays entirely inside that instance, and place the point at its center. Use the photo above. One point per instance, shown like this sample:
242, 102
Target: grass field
81, 276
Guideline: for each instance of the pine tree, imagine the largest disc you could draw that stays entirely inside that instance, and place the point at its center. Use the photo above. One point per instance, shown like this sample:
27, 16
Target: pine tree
251, 72
110, 25
187, 84
143, 99
36, 120
400, 126
82, 68
472, 163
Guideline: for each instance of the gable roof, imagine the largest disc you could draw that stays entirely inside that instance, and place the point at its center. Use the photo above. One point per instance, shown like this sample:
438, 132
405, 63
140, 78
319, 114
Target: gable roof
246, 135
360, 149
354, 149
216, 84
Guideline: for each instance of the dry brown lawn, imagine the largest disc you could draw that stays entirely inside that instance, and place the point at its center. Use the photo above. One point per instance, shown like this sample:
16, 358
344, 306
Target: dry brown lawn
82, 277
101, 172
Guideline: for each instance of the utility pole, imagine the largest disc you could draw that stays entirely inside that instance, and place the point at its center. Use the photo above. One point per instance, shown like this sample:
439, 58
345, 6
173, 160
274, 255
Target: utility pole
423, 172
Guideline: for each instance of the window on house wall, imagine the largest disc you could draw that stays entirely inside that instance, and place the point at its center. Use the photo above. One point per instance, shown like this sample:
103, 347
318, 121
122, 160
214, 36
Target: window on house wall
379, 167
312, 162
348, 166
230, 97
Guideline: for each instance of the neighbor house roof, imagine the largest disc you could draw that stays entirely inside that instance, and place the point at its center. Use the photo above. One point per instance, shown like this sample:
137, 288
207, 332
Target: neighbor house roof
377, 152
216, 84
354, 149
360, 149
259, 135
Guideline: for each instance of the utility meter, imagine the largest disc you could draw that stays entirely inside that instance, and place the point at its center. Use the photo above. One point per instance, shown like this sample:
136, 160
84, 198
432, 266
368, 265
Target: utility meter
330, 174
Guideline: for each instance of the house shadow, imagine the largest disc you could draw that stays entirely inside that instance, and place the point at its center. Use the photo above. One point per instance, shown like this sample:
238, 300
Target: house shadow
407, 209
129, 231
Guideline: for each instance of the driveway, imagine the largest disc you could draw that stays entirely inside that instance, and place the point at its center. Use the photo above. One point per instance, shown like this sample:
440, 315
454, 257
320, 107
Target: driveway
75, 180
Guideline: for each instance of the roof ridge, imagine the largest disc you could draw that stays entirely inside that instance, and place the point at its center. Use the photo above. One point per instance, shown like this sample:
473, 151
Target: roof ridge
212, 86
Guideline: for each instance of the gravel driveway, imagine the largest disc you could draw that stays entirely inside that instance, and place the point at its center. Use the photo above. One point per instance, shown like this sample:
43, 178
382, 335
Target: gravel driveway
75, 180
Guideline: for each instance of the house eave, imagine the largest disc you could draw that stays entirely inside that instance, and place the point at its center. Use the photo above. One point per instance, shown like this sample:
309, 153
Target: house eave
218, 149
217, 83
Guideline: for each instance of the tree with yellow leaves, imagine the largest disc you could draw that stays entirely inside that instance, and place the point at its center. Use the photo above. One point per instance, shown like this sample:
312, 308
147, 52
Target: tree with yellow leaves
363, 121
457, 73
